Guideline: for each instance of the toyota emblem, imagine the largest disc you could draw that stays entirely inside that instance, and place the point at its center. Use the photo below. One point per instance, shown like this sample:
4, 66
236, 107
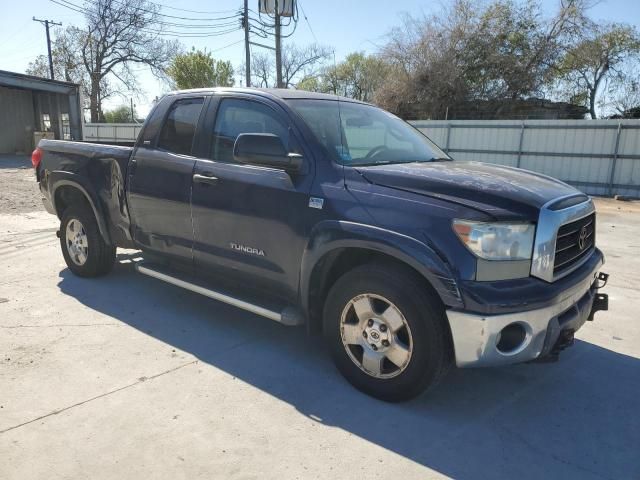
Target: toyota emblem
582, 238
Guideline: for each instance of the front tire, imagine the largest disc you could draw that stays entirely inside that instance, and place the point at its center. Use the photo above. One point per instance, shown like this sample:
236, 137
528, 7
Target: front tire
387, 332
84, 250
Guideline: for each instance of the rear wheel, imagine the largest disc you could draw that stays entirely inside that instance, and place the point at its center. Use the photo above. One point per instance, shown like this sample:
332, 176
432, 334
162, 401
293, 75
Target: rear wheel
387, 332
84, 250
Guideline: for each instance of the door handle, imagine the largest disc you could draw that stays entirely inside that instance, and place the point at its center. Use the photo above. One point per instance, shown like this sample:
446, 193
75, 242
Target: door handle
206, 179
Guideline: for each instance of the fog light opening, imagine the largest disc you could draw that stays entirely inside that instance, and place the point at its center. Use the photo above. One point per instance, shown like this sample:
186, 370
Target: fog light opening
512, 339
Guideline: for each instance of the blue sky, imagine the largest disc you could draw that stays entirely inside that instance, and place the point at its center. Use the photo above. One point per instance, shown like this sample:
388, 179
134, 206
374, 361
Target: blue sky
346, 26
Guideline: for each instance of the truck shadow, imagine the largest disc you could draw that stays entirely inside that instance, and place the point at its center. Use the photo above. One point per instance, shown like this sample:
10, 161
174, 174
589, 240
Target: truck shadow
572, 419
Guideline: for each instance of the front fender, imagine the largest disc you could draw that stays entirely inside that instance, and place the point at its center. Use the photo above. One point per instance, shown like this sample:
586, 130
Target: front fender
59, 178
335, 234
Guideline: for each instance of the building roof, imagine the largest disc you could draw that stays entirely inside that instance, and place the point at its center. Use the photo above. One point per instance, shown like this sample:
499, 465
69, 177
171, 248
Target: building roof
30, 82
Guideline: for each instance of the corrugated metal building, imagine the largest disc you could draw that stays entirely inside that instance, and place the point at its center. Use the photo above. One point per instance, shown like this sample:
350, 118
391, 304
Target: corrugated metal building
32, 104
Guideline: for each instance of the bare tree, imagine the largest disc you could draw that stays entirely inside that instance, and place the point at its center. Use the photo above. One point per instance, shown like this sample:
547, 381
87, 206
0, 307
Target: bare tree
598, 56
68, 64
263, 70
119, 35
625, 92
500, 49
297, 63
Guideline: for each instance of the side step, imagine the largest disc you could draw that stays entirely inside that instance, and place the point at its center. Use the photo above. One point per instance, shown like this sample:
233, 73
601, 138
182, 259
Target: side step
289, 316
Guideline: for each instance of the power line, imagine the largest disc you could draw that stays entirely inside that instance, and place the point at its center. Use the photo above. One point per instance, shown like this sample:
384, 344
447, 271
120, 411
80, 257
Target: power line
191, 11
196, 31
189, 34
307, 20
228, 45
82, 9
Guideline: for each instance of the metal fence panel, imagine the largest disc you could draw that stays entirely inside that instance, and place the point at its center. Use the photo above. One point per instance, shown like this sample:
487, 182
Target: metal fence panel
601, 157
111, 132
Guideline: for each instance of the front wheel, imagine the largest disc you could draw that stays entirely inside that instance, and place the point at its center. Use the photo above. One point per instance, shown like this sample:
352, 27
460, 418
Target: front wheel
84, 250
387, 332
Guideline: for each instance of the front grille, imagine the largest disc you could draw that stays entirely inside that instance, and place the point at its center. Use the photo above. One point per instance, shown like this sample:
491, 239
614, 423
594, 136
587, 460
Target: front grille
574, 242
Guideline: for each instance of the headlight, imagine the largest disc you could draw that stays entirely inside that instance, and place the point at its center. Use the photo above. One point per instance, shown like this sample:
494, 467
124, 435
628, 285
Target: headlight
497, 241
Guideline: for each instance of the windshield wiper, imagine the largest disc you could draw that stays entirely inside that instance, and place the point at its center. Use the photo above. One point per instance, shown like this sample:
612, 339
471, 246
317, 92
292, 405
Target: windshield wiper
373, 164
402, 162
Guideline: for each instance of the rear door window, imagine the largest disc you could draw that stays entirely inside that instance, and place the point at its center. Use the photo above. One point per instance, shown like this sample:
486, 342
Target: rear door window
180, 125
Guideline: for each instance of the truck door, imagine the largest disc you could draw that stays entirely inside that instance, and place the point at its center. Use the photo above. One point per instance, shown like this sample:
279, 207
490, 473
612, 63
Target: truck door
249, 221
160, 176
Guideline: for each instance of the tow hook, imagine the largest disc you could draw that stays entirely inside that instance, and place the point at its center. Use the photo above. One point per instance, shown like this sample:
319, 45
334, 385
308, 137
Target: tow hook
600, 302
603, 278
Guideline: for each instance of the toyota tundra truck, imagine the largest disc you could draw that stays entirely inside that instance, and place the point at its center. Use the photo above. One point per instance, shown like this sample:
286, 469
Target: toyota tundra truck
316, 210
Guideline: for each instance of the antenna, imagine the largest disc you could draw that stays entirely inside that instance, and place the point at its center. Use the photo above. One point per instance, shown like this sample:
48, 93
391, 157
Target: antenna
335, 92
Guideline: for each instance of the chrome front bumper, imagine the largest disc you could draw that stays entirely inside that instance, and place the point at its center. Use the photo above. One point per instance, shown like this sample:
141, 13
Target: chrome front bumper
475, 337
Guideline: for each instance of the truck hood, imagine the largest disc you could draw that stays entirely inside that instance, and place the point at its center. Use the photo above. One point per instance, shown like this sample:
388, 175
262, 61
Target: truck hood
494, 189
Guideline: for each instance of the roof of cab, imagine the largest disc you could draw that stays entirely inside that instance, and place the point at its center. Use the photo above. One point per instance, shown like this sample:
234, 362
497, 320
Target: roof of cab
283, 93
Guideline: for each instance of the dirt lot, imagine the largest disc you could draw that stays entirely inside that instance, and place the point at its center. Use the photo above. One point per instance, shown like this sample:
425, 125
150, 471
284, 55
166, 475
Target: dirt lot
18, 188
126, 377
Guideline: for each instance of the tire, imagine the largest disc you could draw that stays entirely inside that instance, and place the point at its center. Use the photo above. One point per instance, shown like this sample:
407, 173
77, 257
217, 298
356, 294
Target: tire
359, 302
84, 250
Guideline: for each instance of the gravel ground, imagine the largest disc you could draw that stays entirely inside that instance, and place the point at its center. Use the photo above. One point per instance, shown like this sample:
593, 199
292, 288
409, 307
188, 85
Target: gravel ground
18, 188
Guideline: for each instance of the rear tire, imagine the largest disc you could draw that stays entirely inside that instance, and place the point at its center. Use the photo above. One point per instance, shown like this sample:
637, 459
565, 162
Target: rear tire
84, 250
387, 332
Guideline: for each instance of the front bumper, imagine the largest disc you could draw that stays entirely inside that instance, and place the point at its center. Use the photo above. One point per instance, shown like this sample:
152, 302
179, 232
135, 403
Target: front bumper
539, 332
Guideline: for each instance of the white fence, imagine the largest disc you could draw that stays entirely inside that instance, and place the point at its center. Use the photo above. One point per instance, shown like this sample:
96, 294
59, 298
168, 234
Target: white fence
111, 132
601, 157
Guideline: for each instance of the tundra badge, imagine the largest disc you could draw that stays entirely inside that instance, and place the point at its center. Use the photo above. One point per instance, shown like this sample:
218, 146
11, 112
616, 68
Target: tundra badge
245, 249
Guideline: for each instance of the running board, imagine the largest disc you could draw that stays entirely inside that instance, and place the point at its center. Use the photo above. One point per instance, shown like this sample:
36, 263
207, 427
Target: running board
289, 315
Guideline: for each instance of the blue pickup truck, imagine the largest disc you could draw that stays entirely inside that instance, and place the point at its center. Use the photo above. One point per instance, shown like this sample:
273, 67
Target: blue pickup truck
311, 209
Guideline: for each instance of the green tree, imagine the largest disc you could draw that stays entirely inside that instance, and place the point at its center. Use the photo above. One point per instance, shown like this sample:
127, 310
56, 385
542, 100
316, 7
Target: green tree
121, 114
198, 69
358, 76
597, 57
310, 84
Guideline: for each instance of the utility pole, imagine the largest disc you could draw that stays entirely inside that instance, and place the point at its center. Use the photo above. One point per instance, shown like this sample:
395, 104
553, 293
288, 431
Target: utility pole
133, 116
278, 49
247, 52
46, 24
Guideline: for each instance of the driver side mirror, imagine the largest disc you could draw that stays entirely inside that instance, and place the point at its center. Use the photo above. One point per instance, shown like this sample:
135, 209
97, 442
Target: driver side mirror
268, 150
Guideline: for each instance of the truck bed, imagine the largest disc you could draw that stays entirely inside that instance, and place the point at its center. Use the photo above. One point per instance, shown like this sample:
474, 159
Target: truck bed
61, 151
99, 170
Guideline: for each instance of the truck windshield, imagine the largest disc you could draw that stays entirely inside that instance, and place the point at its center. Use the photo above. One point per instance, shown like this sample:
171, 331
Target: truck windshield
356, 134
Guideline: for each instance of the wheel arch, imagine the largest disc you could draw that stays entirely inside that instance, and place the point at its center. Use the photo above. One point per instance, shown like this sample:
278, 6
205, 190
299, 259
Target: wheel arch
65, 191
336, 247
